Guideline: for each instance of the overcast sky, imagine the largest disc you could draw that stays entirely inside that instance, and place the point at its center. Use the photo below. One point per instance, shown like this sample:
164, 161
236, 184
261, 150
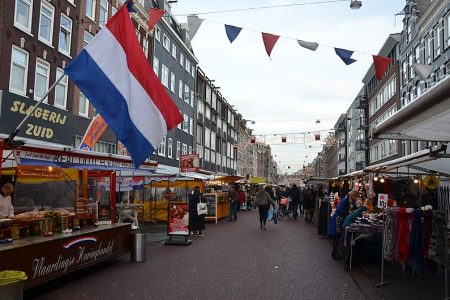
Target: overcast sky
296, 87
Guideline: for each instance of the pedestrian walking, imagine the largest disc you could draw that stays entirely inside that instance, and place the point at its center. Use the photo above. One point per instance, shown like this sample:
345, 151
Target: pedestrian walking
242, 197
234, 202
197, 222
263, 202
295, 195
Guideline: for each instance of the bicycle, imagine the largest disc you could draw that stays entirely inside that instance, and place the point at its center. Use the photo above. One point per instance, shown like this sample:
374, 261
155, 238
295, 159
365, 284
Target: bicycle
285, 211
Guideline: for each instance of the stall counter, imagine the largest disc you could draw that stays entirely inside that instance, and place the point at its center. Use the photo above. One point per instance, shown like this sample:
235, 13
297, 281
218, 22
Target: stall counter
46, 258
218, 206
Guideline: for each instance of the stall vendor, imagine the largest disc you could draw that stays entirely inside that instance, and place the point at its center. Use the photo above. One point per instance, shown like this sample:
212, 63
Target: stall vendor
6, 207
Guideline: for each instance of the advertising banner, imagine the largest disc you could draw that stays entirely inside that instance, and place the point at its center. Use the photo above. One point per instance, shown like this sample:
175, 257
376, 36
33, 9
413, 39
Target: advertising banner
94, 131
189, 163
178, 220
125, 184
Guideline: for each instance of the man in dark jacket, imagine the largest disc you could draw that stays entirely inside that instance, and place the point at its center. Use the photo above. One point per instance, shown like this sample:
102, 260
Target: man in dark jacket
295, 195
234, 202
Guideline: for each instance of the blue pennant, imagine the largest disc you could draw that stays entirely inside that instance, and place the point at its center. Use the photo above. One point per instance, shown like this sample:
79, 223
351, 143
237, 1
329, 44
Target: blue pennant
232, 32
345, 55
129, 4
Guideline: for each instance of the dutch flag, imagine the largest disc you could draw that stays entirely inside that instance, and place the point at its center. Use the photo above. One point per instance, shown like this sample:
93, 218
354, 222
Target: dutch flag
113, 72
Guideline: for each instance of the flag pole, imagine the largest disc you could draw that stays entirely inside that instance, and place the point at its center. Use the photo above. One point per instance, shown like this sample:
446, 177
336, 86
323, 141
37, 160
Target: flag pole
13, 133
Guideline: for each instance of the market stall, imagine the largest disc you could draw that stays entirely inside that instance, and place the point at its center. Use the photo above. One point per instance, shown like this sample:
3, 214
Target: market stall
218, 206
65, 218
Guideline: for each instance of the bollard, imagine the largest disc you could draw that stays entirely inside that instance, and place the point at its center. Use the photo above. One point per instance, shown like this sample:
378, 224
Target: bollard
138, 246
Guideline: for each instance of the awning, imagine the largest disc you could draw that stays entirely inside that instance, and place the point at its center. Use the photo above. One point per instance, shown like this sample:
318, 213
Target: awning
228, 179
426, 118
197, 176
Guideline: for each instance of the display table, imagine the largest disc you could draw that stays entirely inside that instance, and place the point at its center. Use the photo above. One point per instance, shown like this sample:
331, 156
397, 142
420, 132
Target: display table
46, 258
129, 211
358, 232
218, 206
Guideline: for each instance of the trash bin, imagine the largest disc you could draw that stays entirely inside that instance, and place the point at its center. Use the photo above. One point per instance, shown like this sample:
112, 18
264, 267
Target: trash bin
138, 246
11, 284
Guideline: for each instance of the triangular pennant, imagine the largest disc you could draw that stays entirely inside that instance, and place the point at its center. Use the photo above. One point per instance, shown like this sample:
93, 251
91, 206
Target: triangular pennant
381, 64
232, 32
308, 45
423, 71
345, 55
194, 23
269, 41
153, 17
130, 7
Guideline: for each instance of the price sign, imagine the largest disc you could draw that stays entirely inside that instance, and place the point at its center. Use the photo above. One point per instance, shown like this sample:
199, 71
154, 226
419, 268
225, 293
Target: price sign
382, 200
81, 208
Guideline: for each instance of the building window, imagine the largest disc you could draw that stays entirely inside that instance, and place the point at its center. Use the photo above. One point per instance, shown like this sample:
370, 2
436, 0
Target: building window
61, 90
410, 65
87, 38
447, 31
22, 14
180, 124
186, 93
191, 126
172, 82
19, 71
158, 34
190, 149
90, 9
193, 71
178, 151
145, 46
166, 42
192, 98
65, 34
181, 59
199, 134
437, 41
180, 89
46, 23
169, 148
83, 107
188, 66
103, 13
156, 66
41, 79
165, 76
113, 11
417, 54
186, 123
162, 147
174, 51
184, 149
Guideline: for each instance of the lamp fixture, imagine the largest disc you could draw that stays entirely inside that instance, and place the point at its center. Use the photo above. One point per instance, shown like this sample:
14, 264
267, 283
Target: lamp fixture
355, 4
375, 178
382, 179
416, 179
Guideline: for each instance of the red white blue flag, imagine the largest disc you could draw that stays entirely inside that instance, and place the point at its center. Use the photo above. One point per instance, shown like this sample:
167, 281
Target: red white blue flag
114, 74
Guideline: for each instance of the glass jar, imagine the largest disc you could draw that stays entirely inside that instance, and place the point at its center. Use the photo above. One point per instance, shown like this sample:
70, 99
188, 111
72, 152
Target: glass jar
15, 232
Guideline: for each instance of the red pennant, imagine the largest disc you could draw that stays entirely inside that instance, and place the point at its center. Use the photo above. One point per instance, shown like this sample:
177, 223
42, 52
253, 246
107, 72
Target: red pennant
381, 64
154, 15
269, 41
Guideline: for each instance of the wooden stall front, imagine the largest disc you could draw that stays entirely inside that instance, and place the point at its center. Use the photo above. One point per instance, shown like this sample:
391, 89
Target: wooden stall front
218, 206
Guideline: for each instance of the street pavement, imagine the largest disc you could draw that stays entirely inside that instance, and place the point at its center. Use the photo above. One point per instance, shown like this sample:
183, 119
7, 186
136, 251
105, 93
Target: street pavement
235, 260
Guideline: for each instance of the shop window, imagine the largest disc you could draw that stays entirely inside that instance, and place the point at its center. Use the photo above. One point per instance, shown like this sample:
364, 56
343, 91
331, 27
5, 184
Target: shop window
103, 13
19, 71
22, 14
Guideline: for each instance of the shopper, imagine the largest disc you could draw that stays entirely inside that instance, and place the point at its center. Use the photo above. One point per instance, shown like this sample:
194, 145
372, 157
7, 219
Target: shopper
6, 207
197, 222
263, 202
296, 199
242, 197
234, 202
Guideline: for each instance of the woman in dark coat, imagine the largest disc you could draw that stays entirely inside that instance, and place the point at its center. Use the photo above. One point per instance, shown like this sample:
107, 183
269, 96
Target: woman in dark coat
197, 222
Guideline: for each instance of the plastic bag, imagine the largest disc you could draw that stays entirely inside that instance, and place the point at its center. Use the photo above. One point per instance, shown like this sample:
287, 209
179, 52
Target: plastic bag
270, 214
8, 277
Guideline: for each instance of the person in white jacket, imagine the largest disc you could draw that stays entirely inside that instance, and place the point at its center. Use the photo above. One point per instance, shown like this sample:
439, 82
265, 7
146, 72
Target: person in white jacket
6, 207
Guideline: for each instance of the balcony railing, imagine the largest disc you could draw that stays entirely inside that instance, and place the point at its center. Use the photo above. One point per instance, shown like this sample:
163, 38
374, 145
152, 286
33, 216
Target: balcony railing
361, 145
362, 102
363, 123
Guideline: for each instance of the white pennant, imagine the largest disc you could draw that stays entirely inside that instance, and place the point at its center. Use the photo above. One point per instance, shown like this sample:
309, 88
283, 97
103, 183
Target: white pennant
423, 71
194, 23
308, 45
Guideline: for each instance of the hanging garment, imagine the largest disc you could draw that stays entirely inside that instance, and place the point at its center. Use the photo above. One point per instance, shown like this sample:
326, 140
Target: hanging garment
402, 235
390, 234
437, 244
427, 231
415, 239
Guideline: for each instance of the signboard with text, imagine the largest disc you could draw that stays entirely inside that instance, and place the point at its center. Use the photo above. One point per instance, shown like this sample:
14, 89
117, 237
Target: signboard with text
189, 163
382, 200
178, 219
47, 123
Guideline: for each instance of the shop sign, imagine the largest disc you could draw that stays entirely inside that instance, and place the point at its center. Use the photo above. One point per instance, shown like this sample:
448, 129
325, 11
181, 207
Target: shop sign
82, 208
178, 220
74, 158
189, 163
210, 204
382, 200
38, 172
55, 257
46, 123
